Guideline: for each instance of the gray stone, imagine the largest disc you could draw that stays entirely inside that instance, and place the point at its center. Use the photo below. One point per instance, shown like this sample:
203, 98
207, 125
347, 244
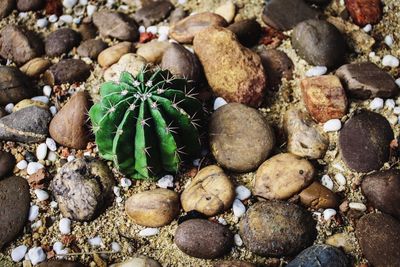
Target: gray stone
116, 25
61, 41
91, 48
67, 71
153, 12
320, 255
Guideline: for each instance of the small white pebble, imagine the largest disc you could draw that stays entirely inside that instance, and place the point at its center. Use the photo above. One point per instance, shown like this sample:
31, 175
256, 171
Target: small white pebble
389, 40
196, 162
53, 110
54, 204
70, 158
222, 221
116, 191
316, 71
41, 98
95, 241
47, 90
33, 167
181, 2
125, 182
393, 120
66, 18
357, 206
77, 21
149, 232
340, 179
242, 192
36, 255
22, 164
118, 199
238, 208
58, 248
166, 181
9, 107
367, 28
142, 29
390, 61
41, 151
390, 104
83, 2
372, 54
163, 30
53, 18
110, 3
51, 144
152, 29
52, 156
238, 240
33, 213
18, 253
396, 110
162, 37
65, 226
69, 3
327, 181
90, 9
23, 15
219, 102
36, 225
328, 214
332, 125
338, 166
376, 103
115, 247
42, 22
41, 194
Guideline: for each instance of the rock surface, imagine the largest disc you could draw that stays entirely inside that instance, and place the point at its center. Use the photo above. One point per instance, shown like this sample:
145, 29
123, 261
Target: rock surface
7, 163
116, 25
364, 141
233, 131
112, 54
14, 85
223, 56
82, 188
61, 42
248, 31
277, 229
91, 48
67, 71
153, 51
320, 255
153, 12
318, 196
130, 62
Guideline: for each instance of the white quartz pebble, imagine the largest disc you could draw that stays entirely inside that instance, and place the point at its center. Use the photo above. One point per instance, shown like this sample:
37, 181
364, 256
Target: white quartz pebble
340, 179
116, 191
389, 40
238, 208
166, 181
367, 28
53, 110
54, 204
222, 221
83, 2
152, 29
70, 158
329, 214
22, 164
69, 3
18, 253
41, 98
47, 90
65, 226
125, 182
66, 18
396, 110
238, 240
91, 9
33, 213
390, 104
357, 206
95, 241
42, 22
41, 151
219, 102
149, 232
36, 255
58, 248
327, 181
51, 144
33, 167
36, 225
115, 247
52, 156
242, 192
163, 30
332, 125
142, 29
41, 194
390, 61
376, 103
9, 107
53, 18
316, 71
77, 21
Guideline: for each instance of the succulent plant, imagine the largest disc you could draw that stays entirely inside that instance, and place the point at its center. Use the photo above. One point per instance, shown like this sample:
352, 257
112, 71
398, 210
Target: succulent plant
148, 123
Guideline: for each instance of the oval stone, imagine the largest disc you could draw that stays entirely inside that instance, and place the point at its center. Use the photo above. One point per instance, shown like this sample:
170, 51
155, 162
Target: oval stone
320, 255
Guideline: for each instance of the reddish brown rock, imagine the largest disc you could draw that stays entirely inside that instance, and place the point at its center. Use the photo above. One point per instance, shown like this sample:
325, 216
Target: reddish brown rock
364, 12
318, 196
68, 127
324, 97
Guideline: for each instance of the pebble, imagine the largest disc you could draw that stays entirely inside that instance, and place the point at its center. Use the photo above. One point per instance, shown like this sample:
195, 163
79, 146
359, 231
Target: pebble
238, 240
47, 90
116, 25
227, 11
51, 144
248, 32
42, 23
238, 208
318, 196
36, 255
390, 61
112, 54
153, 12
9, 107
33, 167
367, 28
67, 71
33, 213
61, 41
390, 104
329, 214
115, 247
66, 19
65, 226
41, 194
340, 179
219, 102
53, 18
166, 181
327, 181
332, 125
357, 206
376, 104
41, 151
43, 99
316, 71
125, 182
53, 110
320, 255
22, 164
149, 232
69, 3
18, 253
90, 9
95, 241
242, 192
130, 62
52, 156
389, 40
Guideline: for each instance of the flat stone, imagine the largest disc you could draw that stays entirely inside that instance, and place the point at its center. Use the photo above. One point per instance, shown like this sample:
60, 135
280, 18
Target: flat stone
153, 12
320, 255
91, 48
116, 25
61, 42
67, 71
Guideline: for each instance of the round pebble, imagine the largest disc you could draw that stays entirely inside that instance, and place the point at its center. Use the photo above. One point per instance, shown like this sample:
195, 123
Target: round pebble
125, 182
41, 151
65, 226
327, 181
33, 167
115, 247
149, 232
357, 206
219, 102
376, 104
18, 253
95, 241
166, 181
33, 213
316, 71
332, 125
69, 3
390, 61
47, 90
22, 164
51, 144
329, 214
36, 255
42, 23
41, 194
238, 208
9, 107
389, 40
242, 192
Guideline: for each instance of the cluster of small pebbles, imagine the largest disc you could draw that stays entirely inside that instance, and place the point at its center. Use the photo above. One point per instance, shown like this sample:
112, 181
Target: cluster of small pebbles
300, 154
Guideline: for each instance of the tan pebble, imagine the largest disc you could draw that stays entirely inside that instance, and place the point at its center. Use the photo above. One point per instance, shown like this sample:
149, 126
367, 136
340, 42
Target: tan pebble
227, 11
112, 54
318, 196
153, 51
27, 103
130, 62
35, 67
341, 240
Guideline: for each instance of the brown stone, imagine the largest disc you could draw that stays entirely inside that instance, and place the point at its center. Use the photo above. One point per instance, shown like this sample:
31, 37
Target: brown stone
6, 6
318, 196
67, 71
112, 54
35, 67
91, 48
7, 163
116, 25
324, 97
364, 12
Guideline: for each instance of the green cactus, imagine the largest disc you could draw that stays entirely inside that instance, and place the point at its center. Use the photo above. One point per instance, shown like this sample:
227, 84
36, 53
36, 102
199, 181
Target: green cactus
145, 124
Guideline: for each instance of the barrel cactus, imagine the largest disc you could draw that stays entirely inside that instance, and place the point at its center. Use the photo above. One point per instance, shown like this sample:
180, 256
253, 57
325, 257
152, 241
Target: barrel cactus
148, 123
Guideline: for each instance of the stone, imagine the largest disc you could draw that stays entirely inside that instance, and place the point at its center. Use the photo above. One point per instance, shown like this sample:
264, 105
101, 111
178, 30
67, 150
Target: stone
67, 71
277, 66
273, 228
304, 139
14, 208
6, 7
282, 176
29, 102
181, 62
184, 30
153, 12
343, 241
283, 15
317, 196
319, 43
7, 163
82, 188
176, 15
19, 45
364, 141
35, 67
112, 54
130, 62
233, 131
379, 236
61, 263
141, 261
153, 51
87, 31
61, 42
320, 255
154, 208
234, 263
28, 125
91, 48
211, 192
30, 5
248, 31
14, 85
227, 11
324, 97
116, 25
364, 12
203, 239
223, 56
366, 80
382, 191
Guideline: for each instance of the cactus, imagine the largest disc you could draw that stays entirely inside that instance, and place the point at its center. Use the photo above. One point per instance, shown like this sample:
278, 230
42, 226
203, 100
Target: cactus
145, 124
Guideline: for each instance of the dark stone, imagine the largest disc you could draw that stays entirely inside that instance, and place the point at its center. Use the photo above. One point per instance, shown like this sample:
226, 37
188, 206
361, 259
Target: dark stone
87, 31
277, 65
234, 264
14, 207
247, 31
285, 14
7, 163
28, 125
116, 25
60, 263
320, 255
193, 214
6, 7
319, 43
67, 71
366, 80
91, 48
14, 85
30, 157
153, 12
30, 5
61, 41
364, 141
